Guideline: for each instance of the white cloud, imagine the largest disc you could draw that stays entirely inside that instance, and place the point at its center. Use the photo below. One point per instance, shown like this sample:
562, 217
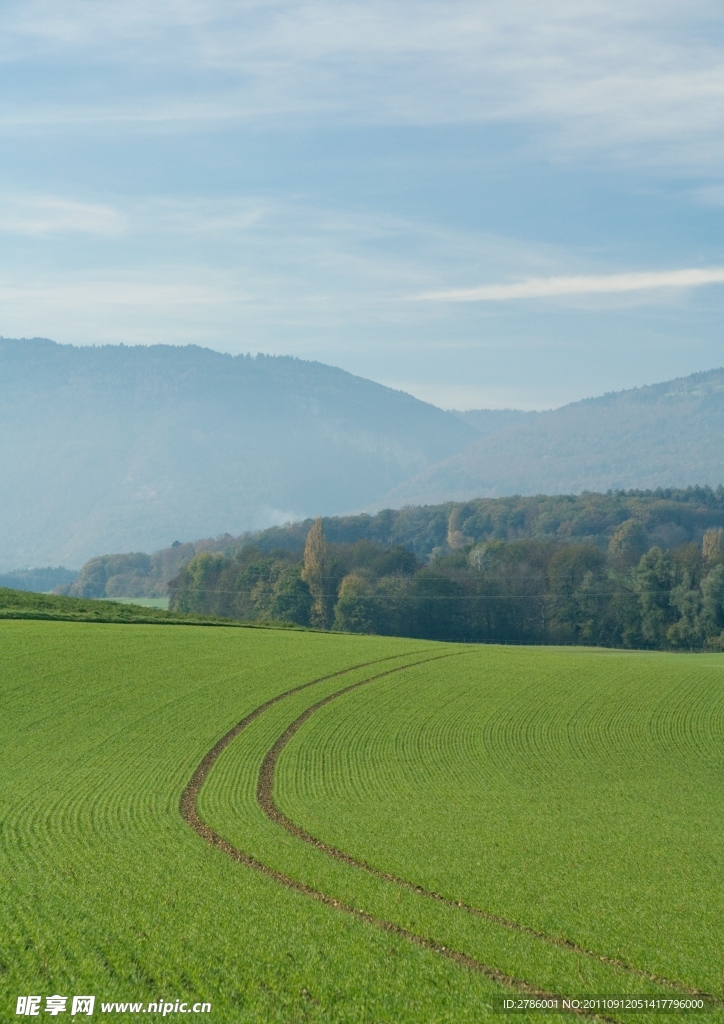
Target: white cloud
128, 294
620, 76
710, 195
592, 284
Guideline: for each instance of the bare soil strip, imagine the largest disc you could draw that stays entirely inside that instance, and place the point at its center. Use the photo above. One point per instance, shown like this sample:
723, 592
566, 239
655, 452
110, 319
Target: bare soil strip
265, 797
189, 813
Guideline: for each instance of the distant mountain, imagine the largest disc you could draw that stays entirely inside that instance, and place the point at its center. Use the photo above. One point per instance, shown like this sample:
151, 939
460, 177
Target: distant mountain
129, 448
665, 435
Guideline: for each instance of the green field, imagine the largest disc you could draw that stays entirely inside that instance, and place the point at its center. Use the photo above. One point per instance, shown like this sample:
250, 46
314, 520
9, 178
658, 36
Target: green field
24, 604
463, 823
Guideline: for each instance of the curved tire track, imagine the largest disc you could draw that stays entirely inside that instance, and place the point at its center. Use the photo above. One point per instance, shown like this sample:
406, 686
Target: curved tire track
189, 813
188, 797
265, 798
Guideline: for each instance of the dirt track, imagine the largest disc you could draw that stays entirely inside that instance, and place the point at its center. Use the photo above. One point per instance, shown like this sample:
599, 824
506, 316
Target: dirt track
265, 798
189, 813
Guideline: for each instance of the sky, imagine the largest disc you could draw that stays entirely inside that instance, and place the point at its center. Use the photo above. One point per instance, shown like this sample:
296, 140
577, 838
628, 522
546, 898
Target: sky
484, 204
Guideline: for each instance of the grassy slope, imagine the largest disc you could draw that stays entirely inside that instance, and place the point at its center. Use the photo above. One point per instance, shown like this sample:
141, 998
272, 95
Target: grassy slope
104, 889
23, 604
576, 792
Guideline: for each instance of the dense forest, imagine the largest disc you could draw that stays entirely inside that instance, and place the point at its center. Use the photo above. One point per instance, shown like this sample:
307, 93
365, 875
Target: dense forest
630, 594
668, 517
482, 548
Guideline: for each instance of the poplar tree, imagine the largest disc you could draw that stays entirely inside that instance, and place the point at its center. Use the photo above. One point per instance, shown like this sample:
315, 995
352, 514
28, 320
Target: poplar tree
315, 572
712, 545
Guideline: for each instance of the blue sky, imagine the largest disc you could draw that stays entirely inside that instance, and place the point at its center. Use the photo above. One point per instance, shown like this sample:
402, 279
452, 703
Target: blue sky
486, 204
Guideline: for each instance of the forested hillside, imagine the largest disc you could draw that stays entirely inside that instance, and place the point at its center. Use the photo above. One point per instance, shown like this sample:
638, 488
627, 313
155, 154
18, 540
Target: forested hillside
666, 435
524, 591
628, 569
667, 516
666, 519
129, 448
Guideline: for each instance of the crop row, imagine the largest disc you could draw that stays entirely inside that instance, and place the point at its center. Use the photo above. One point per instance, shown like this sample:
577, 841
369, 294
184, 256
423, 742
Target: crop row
488, 775
104, 889
229, 803
576, 793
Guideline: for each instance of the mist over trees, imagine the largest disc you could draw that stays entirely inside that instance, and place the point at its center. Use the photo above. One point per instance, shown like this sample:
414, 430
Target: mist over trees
631, 521
137, 574
664, 517
39, 580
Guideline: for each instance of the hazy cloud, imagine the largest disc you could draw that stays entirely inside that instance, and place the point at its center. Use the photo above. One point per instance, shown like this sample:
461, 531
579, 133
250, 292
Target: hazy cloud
220, 171
277, 268
619, 76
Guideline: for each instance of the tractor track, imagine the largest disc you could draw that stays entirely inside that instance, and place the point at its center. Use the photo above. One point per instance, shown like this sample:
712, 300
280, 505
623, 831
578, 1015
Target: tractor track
189, 813
189, 795
265, 798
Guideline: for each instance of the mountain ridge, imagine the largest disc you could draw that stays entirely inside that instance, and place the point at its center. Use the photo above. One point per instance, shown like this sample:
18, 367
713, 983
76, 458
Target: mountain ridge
660, 435
130, 447
127, 448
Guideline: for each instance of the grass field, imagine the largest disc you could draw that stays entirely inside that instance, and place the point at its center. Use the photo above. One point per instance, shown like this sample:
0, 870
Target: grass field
462, 823
25, 604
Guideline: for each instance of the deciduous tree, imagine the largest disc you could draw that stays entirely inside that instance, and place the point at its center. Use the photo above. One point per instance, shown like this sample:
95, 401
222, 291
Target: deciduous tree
315, 574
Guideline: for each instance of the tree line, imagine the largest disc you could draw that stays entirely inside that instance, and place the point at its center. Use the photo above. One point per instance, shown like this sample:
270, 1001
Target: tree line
629, 594
669, 518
